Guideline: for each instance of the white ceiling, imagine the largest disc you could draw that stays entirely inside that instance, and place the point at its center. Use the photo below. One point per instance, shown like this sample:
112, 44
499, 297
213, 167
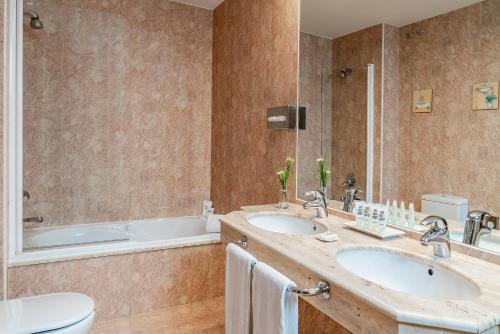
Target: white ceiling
334, 18
208, 4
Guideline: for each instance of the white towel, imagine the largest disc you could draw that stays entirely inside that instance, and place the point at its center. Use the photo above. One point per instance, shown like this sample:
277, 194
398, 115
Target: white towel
275, 310
238, 290
213, 223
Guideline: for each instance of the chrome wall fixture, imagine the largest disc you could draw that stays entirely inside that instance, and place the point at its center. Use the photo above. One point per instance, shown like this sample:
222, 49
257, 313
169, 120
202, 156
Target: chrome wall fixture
243, 242
419, 32
35, 22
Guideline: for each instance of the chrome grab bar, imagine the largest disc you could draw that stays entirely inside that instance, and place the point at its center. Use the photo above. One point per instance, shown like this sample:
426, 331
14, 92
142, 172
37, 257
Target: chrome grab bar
323, 291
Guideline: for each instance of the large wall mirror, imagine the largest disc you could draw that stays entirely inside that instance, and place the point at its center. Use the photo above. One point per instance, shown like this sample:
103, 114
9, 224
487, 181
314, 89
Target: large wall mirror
435, 143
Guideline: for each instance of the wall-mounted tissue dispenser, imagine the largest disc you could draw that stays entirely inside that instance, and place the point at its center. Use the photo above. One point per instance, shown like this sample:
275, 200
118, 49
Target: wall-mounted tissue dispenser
285, 117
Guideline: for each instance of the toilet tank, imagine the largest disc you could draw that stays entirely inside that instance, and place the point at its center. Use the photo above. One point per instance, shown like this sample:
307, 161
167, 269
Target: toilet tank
446, 206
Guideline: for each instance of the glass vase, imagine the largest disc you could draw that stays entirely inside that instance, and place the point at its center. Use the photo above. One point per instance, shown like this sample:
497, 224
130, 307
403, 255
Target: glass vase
325, 190
283, 203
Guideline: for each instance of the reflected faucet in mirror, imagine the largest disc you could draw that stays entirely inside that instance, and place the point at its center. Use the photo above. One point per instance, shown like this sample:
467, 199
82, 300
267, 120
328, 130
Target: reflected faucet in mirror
351, 192
318, 202
478, 223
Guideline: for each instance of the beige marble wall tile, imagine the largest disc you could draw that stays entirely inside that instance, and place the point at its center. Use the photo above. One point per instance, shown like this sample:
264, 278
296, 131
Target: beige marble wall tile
390, 117
117, 110
355, 51
123, 285
453, 149
315, 93
255, 67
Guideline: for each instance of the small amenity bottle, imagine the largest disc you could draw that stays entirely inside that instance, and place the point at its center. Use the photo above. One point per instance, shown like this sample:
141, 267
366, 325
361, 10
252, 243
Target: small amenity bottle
366, 214
402, 214
382, 219
394, 213
388, 211
411, 215
374, 220
358, 212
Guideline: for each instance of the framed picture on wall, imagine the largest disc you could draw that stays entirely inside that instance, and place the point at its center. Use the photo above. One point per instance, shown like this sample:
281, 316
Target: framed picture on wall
422, 101
485, 96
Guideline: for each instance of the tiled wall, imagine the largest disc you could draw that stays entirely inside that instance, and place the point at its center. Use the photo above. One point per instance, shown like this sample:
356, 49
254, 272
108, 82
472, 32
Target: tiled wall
254, 68
122, 285
315, 93
453, 149
390, 116
117, 110
355, 51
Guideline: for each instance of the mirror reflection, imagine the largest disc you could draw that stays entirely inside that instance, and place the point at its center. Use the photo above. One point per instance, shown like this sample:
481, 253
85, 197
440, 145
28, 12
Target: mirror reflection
435, 111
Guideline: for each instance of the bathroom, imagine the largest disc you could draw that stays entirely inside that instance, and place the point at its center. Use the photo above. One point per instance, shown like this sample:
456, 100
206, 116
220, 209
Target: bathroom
237, 166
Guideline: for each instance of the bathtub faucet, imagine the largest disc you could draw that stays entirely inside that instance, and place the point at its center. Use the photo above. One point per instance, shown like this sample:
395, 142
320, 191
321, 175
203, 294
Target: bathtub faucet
37, 220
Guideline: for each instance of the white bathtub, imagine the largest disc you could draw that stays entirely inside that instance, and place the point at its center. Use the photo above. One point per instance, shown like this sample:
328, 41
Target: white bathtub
79, 241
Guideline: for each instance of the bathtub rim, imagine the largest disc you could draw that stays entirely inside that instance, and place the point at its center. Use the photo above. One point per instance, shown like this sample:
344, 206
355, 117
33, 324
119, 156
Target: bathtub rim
60, 254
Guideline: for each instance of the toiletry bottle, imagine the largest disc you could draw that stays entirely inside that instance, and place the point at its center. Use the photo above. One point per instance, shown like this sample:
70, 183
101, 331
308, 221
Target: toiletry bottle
394, 213
402, 214
411, 215
355, 207
366, 214
382, 219
359, 207
374, 220
388, 207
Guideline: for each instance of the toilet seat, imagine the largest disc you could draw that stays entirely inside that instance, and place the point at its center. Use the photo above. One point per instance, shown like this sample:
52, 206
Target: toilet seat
45, 313
82, 327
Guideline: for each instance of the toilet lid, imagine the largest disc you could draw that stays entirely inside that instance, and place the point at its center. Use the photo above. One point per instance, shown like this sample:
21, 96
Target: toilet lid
43, 313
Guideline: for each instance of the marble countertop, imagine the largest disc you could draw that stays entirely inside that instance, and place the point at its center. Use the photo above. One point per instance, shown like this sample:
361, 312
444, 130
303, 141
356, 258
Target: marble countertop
474, 316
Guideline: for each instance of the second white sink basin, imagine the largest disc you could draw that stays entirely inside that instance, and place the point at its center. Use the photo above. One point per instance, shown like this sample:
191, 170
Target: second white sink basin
406, 273
285, 224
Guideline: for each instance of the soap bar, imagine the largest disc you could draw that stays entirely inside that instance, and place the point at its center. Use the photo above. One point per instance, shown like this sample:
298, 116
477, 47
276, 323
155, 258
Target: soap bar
327, 237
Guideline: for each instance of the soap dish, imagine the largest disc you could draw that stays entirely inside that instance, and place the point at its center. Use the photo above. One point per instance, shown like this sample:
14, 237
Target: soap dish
327, 237
387, 233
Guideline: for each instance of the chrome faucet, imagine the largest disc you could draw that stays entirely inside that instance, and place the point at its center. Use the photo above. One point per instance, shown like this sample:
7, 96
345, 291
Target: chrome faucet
350, 192
438, 236
318, 202
37, 220
478, 223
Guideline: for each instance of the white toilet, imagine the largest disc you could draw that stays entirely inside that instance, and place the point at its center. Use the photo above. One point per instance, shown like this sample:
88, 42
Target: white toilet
60, 313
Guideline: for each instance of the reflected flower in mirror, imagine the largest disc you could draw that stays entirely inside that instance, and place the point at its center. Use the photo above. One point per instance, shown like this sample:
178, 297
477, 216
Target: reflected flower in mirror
324, 174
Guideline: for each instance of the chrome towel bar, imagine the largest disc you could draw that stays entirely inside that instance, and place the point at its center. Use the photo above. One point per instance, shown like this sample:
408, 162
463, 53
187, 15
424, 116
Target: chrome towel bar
243, 242
323, 291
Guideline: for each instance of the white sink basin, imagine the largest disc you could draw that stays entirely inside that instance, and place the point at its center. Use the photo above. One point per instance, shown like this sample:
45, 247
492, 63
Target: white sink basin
286, 224
489, 241
405, 273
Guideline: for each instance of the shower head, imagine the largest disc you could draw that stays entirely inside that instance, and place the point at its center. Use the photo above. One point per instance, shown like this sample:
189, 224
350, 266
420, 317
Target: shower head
35, 22
345, 72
